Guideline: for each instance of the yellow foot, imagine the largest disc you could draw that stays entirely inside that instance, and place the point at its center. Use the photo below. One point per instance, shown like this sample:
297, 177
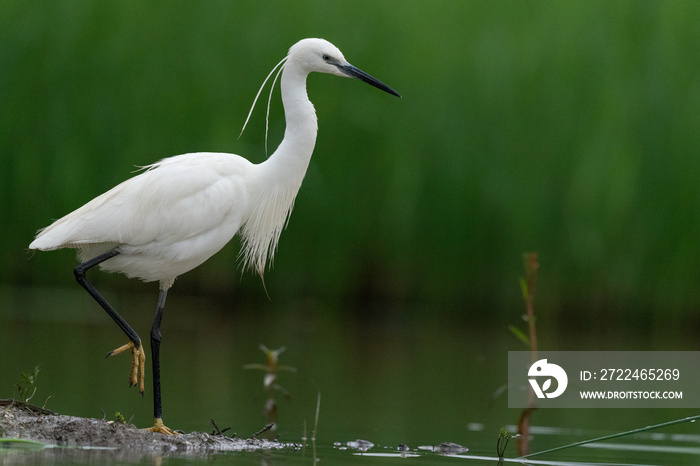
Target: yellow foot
159, 427
138, 363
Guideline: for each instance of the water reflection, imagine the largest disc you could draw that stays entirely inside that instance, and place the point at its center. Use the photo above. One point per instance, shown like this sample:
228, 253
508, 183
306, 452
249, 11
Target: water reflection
405, 376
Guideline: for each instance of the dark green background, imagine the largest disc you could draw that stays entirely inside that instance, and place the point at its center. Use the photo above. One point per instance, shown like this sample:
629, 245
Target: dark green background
567, 128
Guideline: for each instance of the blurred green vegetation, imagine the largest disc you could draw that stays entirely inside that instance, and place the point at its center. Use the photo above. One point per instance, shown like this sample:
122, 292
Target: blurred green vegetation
567, 128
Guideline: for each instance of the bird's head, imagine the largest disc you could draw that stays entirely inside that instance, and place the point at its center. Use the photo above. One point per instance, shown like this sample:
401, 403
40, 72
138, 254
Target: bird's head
321, 56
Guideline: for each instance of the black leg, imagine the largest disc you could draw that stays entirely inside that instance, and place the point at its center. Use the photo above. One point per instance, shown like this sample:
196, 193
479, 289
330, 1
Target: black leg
79, 272
138, 355
155, 349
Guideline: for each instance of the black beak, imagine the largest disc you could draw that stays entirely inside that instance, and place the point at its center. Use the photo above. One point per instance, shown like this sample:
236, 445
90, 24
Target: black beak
354, 72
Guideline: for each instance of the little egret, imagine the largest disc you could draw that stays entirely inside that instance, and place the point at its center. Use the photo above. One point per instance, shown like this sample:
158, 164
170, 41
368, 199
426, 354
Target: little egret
180, 211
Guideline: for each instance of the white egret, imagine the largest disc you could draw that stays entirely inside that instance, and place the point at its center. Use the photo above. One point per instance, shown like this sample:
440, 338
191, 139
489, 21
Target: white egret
180, 211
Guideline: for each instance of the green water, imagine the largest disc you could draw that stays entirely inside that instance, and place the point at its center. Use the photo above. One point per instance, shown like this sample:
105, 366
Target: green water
387, 374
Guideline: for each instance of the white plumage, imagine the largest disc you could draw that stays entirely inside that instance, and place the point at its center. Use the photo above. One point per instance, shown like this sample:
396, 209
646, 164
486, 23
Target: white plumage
165, 221
180, 211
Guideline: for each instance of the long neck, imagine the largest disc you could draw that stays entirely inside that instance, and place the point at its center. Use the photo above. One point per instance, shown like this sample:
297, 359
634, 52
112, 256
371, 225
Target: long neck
280, 176
301, 124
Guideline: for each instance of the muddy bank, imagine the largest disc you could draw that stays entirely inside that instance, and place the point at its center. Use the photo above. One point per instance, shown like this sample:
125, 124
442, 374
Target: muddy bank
118, 440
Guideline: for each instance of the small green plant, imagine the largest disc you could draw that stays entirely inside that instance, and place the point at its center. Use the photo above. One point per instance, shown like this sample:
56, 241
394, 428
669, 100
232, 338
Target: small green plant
118, 418
270, 384
26, 388
503, 439
527, 286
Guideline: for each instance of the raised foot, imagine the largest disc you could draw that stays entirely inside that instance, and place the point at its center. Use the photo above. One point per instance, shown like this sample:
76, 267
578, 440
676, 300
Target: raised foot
138, 363
161, 428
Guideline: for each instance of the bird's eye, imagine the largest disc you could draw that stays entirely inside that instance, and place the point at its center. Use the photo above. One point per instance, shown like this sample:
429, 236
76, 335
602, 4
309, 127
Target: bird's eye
326, 57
